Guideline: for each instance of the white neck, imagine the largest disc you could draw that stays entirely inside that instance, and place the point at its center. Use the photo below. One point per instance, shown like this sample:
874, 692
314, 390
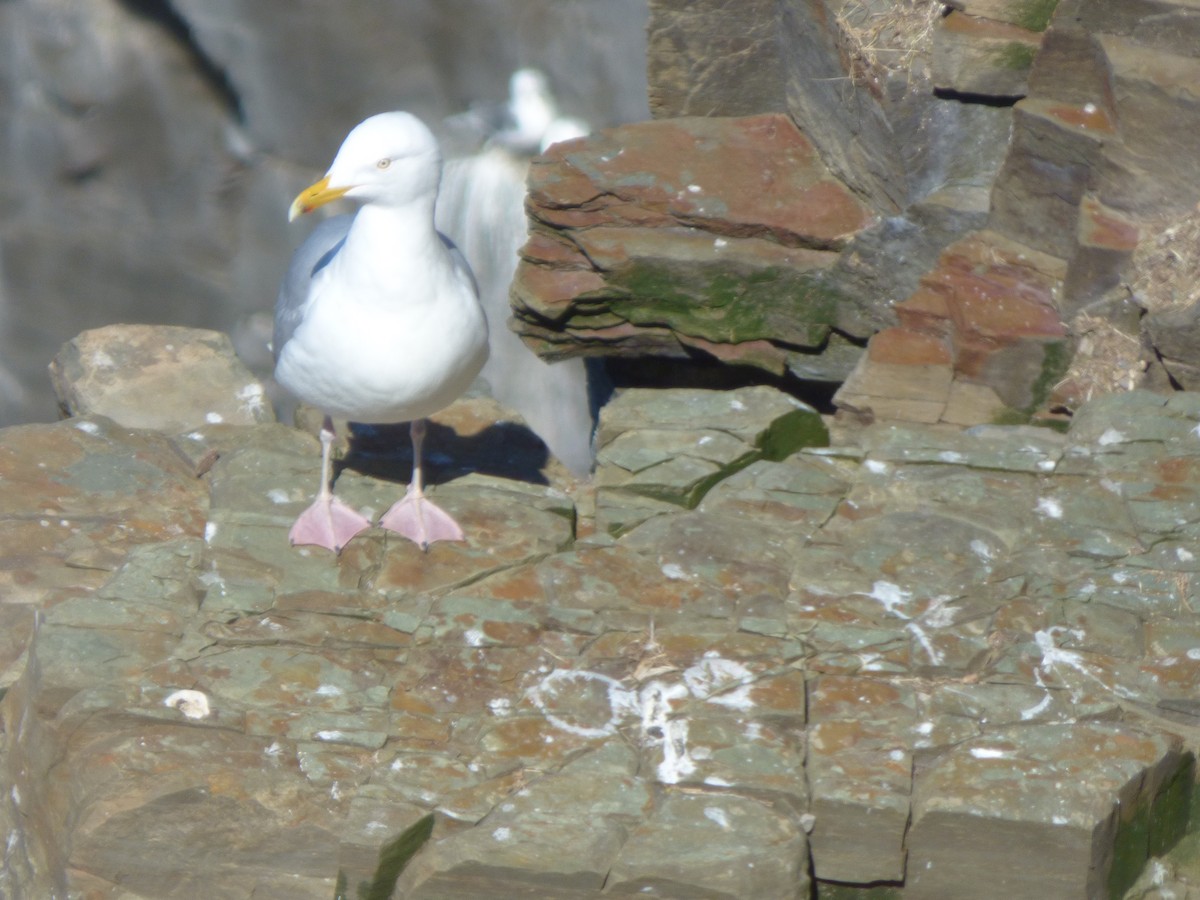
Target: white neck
372, 250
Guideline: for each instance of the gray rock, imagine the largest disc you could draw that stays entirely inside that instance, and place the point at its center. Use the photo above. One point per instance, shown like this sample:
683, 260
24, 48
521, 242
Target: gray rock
163, 378
762, 852
1025, 835
577, 815
896, 663
861, 778
153, 148
696, 68
1078, 183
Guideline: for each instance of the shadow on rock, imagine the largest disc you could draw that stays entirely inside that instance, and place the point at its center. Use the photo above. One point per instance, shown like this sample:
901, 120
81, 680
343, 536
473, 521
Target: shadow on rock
502, 449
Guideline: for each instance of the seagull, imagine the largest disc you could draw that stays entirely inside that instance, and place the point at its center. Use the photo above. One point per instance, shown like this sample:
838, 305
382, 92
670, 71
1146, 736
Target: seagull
378, 319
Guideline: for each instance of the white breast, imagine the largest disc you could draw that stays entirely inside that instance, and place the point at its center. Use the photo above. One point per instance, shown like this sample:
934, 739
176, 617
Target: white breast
390, 351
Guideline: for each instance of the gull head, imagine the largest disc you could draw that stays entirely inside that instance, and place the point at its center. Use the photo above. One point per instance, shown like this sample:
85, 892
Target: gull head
390, 159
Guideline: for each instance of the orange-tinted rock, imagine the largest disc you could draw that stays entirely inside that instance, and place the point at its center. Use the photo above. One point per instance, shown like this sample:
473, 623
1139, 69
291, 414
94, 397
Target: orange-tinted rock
974, 55
987, 313
1100, 226
924, 310
706, 233
909, 348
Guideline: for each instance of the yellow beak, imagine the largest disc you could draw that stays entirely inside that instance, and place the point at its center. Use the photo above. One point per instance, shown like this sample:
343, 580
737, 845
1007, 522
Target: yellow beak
313, 196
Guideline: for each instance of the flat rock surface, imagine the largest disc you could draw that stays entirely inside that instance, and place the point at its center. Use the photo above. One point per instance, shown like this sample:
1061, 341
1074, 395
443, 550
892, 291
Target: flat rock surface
957, 663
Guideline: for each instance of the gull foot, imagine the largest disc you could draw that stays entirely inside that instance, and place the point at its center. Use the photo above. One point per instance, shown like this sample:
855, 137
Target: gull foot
328, 523
421, 521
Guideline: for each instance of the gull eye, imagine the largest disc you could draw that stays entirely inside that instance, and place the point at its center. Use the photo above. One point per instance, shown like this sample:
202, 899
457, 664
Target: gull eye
383, 163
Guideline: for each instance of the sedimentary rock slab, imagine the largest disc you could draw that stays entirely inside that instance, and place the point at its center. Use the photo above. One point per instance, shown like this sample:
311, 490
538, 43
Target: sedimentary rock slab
861, 777
1065, 810
161, 377
763, 854
979, 56
893, 663
712, 234
653, 451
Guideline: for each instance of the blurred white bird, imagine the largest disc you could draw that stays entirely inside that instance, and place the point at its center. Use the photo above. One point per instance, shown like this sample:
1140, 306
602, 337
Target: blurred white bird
482, 207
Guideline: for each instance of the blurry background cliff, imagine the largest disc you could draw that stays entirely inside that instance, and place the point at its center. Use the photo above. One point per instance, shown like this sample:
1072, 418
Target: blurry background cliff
149, 149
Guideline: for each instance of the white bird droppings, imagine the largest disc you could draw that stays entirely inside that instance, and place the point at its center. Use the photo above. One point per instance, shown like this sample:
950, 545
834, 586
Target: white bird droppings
1049, 507
716, 814
891, 596
674, 572
193, 704
988, 753
500, 706
721, 681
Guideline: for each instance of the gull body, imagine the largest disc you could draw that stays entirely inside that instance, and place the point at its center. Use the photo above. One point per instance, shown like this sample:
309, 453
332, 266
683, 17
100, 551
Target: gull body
378, 319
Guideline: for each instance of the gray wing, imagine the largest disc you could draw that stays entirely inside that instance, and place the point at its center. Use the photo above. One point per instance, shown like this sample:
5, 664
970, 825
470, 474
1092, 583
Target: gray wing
310, 257
460, 262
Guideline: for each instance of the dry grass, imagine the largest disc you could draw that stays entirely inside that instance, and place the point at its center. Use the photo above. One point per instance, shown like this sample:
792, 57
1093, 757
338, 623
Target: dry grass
1166, 267
1107, 360
887, 36
1164, 275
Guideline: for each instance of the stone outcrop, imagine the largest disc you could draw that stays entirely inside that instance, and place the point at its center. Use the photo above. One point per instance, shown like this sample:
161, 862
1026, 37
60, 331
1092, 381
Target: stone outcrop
1010, 158
766, 652
981, 339
981, 56
150, 149
136, 375
855, 81
1097, 164
909, 659
688, 234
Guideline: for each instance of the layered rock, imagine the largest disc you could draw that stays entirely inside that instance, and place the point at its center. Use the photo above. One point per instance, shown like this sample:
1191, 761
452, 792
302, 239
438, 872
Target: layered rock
980, 340
1090, 168
904, 173
916, 660
1044, 202
977, 55
688, 234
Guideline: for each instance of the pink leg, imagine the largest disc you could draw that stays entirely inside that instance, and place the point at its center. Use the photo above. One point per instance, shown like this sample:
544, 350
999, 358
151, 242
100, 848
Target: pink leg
329, 522
415, 517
